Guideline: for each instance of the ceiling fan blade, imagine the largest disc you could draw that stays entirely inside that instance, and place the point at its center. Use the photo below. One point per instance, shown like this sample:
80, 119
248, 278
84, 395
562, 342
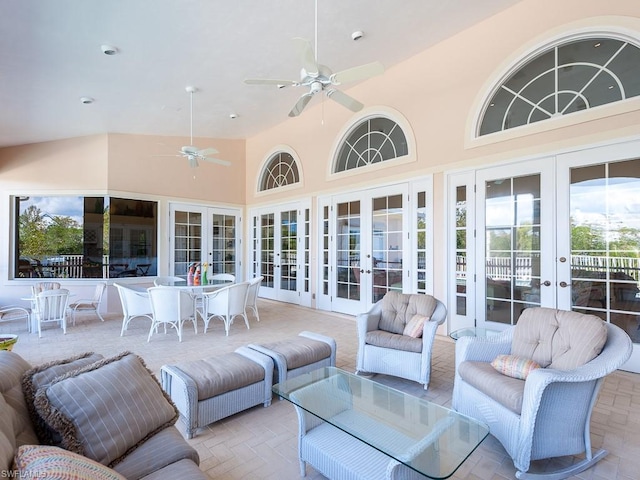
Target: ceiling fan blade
270, 81
344, 100
307, 57
225, 163
360, 72
300, 104
207, 151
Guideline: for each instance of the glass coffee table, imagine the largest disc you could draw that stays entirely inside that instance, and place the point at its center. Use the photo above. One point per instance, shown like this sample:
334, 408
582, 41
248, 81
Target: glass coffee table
426, 437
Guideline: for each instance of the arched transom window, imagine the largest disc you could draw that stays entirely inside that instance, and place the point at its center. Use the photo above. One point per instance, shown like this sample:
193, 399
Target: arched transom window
281, 170
373, 140
572, 76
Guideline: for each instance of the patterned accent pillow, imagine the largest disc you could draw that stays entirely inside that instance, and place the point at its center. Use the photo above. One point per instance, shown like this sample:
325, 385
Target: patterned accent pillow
514, 366
47, 462
415, 325
43, 375
107, 409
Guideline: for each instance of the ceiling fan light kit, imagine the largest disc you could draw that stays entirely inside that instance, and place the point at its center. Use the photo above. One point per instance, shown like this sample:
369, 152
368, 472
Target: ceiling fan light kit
320, 78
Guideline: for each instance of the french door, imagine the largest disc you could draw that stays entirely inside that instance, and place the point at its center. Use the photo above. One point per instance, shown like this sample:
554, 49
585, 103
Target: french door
514, 241
281, 237
365, 248
560, 232
204, 235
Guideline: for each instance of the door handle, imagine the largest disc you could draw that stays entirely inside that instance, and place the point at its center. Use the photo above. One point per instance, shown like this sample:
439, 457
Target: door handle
564, 284
546, 283
362, 270
368, 271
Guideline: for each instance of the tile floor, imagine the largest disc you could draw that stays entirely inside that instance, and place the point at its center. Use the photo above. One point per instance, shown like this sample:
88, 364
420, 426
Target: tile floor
261, 443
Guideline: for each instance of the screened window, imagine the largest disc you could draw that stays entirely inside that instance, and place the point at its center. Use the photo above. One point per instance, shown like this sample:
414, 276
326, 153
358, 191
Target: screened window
281, 170
565, 79
373, 140
85, 237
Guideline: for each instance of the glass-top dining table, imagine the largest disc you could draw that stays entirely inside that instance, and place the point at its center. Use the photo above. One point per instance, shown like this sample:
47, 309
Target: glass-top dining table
210, 285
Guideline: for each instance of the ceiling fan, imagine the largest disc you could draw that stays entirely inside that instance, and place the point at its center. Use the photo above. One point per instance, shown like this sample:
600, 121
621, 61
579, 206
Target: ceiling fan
319, 78
191, 153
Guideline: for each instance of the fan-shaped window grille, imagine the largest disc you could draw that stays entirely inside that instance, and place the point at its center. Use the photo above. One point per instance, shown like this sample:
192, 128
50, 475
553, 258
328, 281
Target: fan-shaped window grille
281, 170
564, 79
374, 140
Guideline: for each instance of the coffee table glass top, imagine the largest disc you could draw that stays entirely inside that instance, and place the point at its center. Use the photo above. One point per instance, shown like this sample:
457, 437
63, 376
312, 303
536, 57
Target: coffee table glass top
429, 438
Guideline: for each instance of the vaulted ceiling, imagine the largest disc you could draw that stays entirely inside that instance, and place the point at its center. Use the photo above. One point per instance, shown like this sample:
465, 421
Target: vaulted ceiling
52, 56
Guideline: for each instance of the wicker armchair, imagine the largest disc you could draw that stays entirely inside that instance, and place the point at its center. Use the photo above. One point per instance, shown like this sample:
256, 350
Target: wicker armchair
383, 345
546, 414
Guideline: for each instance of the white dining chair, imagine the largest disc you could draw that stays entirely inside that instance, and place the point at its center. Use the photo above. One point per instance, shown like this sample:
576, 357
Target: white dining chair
171, 307
37, 288
226, 303
224, 277
51, 307
135, 303
252, 296
89, 304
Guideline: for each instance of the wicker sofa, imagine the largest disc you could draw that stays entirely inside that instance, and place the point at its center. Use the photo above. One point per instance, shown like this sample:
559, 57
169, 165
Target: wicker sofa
66, 404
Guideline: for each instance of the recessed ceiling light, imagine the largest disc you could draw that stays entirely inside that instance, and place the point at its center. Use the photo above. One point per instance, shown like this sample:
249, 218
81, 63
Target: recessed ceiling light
86, 100
233, 115
109, 50
357, 35
597, 45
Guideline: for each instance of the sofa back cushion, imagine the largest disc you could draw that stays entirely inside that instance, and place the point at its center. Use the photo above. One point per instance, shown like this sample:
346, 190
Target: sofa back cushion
107, 409
15, 426
43, 375
398, 309
558, 339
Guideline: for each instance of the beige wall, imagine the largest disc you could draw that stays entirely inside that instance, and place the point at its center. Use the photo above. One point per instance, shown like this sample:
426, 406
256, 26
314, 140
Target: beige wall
125, 163
60, 165
439, 93
134, 167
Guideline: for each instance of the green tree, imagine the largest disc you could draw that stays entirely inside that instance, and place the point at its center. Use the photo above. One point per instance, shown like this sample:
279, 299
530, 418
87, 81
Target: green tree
587, 238
31, 235
40, 235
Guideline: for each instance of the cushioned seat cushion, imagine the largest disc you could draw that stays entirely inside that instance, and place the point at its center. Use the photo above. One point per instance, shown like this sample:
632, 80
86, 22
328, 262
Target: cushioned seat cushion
507, 391
228, 372
300, 351
381, 338
107, 409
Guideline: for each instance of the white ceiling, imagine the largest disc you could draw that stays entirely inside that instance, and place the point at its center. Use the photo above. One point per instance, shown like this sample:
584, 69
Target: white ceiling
51, 57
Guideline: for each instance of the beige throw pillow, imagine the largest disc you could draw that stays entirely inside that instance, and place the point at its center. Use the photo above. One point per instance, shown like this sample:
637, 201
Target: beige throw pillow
415, 326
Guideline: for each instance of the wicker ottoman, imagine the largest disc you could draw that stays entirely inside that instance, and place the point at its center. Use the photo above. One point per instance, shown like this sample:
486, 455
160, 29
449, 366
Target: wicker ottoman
295, 356
207, 390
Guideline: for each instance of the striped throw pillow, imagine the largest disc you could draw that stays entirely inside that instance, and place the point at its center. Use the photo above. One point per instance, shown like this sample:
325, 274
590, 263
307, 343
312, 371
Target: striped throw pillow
514, 366
415, 325
44, 461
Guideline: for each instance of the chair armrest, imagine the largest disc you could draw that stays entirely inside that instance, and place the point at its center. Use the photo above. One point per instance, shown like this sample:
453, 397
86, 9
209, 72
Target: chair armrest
483, 349
369, 321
